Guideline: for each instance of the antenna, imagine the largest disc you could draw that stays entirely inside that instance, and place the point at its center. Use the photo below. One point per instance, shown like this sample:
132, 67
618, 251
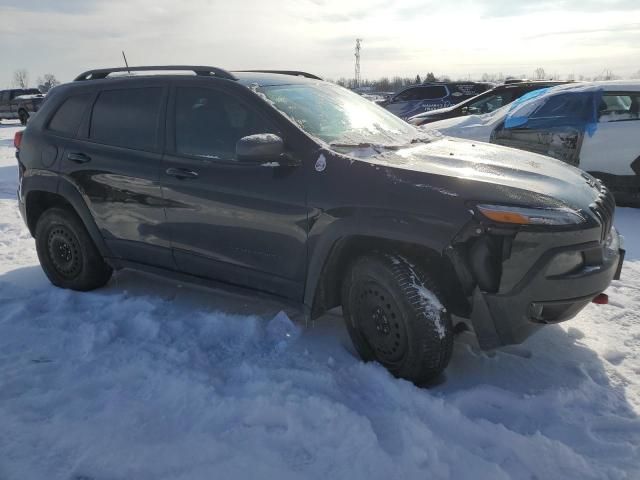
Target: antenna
125, 62
357, 79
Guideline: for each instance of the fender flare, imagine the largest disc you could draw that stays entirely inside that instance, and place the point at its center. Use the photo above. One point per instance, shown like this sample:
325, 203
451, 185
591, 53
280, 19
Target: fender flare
322, 247
64, 188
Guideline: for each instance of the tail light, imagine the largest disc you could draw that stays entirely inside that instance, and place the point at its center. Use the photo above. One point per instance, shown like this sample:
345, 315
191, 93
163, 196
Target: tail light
17, 139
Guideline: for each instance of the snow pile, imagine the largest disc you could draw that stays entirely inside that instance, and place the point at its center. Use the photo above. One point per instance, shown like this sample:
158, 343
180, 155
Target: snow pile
146, 379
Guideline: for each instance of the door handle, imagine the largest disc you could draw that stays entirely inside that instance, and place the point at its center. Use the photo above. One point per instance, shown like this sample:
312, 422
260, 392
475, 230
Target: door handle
78, 157
181, 173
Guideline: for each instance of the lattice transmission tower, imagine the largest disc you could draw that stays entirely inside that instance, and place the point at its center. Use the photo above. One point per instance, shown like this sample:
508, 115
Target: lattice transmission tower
357, 79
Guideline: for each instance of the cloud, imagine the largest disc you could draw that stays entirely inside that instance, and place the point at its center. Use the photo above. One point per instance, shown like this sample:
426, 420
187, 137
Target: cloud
506, 8
65, 6
401, 38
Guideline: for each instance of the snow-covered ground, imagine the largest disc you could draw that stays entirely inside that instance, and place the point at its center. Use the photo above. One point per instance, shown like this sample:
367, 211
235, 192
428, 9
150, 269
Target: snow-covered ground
147, 379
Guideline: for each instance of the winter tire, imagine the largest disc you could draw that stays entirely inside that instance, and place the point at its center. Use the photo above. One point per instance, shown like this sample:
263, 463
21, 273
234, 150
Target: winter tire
394, 316
66, 252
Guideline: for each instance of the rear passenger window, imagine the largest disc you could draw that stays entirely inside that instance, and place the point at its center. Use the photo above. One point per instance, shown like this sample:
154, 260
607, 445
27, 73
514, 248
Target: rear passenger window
127, 118
67, 118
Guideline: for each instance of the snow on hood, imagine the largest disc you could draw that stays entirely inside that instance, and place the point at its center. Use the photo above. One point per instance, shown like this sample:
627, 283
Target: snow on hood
495, 164
473, 127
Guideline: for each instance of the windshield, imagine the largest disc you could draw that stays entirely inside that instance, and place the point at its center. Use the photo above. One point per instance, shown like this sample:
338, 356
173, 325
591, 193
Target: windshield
340, 117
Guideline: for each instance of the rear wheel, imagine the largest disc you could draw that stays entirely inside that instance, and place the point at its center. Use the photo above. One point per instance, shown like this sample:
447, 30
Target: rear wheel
23, 115
394, 316
66, 252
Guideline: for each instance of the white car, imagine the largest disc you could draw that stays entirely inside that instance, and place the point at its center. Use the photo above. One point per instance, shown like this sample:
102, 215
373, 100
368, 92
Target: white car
595, 126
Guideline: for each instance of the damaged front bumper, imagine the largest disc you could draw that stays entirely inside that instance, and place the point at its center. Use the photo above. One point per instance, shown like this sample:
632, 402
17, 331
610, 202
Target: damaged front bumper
544, 281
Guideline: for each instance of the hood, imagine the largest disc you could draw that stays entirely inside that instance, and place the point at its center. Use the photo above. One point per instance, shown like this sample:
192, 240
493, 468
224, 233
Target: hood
548, 181
473, 127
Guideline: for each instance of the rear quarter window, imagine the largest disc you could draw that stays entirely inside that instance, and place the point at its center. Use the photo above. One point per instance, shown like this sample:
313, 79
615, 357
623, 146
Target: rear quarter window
69, 114
127, 118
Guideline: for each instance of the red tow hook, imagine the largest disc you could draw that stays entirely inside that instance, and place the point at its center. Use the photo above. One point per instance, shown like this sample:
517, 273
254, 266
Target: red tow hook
602, 299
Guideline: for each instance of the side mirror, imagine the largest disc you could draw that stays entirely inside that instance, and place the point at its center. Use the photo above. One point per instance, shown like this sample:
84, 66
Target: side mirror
266, 149
262, 147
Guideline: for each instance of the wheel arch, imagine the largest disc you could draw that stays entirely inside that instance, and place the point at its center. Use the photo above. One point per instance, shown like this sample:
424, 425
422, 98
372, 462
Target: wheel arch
41, 193
324, 284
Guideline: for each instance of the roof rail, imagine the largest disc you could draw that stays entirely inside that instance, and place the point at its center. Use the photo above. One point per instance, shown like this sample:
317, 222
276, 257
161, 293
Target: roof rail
295, 73
198, 70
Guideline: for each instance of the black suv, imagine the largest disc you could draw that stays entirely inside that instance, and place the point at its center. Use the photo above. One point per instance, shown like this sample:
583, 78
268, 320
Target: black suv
283, 183
486, 102
20, 103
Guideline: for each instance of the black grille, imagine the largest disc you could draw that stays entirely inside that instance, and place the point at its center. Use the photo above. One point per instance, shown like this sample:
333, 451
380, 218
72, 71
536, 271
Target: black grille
604, 207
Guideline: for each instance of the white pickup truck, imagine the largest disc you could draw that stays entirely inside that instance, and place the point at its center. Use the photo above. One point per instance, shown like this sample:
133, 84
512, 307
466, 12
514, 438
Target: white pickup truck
19, 103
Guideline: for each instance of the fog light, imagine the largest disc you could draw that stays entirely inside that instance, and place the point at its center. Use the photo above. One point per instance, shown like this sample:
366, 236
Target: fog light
565, 263
613, 240
535, 311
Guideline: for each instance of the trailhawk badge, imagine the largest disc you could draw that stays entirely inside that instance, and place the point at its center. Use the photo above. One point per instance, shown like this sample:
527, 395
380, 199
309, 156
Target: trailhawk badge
321, 163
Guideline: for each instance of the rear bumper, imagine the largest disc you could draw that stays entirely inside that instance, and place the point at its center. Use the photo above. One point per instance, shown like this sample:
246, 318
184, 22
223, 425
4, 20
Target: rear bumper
538, 298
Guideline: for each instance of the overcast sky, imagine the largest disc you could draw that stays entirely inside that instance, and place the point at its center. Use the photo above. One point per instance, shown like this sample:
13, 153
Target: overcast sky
458, 38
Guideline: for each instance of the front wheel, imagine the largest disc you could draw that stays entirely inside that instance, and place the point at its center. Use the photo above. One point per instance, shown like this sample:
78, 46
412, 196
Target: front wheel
67, 253
394, 316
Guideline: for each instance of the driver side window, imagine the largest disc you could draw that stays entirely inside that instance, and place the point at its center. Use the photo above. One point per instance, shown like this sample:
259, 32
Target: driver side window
209, 123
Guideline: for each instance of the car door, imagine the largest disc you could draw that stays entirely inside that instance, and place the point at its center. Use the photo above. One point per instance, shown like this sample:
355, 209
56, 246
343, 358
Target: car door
232, 221
615, 144
115, 160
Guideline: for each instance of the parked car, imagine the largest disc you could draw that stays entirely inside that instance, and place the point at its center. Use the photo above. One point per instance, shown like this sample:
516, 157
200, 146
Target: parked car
431, 96
20, 103
295, 187
594, 126
486, 102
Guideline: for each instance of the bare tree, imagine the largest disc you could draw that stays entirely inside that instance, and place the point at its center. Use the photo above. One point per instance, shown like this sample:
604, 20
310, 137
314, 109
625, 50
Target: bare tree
47, 82
539, 74
606, 75
21, 78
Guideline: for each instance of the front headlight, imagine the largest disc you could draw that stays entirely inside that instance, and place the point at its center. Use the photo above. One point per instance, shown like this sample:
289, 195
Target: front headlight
531, 216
